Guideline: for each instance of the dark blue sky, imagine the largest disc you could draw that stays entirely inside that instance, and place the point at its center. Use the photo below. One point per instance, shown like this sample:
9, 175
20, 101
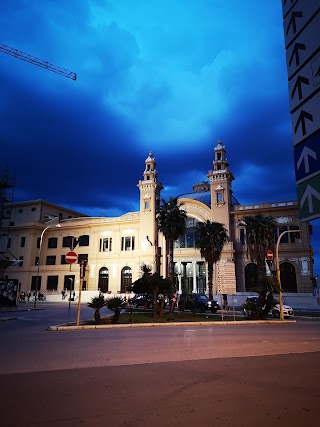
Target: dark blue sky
167, 76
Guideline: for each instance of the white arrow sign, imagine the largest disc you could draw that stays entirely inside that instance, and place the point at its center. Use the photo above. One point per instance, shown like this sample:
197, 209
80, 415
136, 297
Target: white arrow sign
304, 157
308, 195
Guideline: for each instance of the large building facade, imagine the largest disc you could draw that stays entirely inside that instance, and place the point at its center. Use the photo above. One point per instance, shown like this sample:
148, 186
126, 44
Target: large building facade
115, 248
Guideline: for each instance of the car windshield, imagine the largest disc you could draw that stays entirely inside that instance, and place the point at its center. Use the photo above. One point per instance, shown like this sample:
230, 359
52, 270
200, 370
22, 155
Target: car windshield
202, 298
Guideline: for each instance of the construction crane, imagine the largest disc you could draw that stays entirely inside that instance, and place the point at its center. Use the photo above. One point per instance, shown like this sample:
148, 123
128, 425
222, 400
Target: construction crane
36, 61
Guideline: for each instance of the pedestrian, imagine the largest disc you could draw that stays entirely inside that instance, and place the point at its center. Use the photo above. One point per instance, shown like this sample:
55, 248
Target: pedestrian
173, 302
63, 293
28, 296
73, 296
225, 302
19, 296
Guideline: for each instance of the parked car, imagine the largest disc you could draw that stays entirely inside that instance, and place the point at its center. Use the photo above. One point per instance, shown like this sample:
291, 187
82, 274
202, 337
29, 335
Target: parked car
287, 311
139, 300
197, 302
252, 300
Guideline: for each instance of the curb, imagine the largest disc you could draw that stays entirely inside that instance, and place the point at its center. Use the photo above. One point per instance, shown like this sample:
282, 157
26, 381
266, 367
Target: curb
152, 325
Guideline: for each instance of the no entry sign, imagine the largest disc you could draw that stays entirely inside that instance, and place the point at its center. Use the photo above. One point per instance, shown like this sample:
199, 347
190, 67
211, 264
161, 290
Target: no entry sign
71, 257
270, 255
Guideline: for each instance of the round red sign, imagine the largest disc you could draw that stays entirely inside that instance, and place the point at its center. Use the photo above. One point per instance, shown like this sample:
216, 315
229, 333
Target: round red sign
270, 255
71, 257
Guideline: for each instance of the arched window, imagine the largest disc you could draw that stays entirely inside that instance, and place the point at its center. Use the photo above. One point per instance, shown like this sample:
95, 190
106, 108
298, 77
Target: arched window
188, 239
288, 277
126, 279
103, 284
251, 276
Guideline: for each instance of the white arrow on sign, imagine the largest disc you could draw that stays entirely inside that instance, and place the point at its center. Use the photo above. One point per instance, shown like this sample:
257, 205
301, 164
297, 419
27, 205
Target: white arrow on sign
304, 156
309, 192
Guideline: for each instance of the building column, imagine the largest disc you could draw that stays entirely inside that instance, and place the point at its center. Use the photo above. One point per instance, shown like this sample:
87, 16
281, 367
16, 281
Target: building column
195, 282
179, 277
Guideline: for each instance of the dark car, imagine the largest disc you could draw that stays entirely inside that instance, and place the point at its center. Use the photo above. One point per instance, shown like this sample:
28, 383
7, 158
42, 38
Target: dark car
197, 302
139, 300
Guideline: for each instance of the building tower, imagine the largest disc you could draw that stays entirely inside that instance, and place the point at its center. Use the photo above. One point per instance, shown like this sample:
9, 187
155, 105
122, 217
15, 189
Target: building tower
150, 190
221, 187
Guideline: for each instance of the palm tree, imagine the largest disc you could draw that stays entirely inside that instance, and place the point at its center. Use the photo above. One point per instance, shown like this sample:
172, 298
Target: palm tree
211, 237
116, 304
142, 285
260, 237
153, 283
97, 303
172, 223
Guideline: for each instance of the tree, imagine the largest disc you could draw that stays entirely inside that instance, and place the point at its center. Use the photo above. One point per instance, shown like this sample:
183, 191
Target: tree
260, 237
153, 284
142, 285
211, 237
172, 223
97, 303
116, 304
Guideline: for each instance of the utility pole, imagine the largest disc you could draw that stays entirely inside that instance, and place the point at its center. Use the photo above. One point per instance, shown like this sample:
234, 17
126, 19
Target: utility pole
83, 265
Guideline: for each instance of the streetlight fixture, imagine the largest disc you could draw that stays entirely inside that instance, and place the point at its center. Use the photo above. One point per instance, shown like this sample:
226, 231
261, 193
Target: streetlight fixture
278, 269
39, 256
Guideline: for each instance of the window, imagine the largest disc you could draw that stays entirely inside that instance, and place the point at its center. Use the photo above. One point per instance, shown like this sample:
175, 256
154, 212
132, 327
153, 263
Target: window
82, 257
84, 240
38, 242
20, 210
188, 239
52, 242
9, 243
105, 245
284, 238
220, 197
242, 235
147, 205
51, 260
63, 260
52, 282
294, 236
36, 261
127, 243
21, 263
67, 242
218, 156
23, 242
33, 209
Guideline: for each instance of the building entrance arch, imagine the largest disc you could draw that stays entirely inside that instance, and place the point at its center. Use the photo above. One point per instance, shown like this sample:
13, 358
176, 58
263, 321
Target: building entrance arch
126, 279
251, 276
288, 277
103, 284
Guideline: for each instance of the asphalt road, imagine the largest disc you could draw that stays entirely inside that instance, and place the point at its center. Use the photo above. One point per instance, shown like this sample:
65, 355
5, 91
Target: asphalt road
226, 375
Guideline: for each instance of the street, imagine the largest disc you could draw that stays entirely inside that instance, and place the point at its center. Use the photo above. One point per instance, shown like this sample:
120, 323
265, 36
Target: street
229, 375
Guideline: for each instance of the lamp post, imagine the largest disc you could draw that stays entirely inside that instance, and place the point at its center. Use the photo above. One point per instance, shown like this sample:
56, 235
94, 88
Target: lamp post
39, 257
278, 269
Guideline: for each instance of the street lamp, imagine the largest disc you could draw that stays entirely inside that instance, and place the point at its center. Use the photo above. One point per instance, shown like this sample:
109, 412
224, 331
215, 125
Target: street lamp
39, 256
278, 269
